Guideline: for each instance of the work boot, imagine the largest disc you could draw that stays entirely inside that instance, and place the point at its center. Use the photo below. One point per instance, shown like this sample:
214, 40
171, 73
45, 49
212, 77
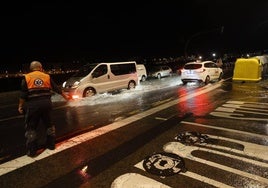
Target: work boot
51, 142
31, 149
31, 153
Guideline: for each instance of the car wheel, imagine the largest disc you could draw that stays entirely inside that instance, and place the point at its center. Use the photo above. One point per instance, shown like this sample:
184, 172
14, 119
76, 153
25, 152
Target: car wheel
131, 85
89, 92
220, 77
207, 80
184, 82
159, 76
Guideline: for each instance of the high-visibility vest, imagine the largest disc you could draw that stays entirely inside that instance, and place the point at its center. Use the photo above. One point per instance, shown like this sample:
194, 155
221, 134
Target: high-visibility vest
38, 84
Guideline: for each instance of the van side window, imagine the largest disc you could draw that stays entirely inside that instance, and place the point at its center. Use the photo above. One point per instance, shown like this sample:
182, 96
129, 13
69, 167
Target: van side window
99, 71
120, 69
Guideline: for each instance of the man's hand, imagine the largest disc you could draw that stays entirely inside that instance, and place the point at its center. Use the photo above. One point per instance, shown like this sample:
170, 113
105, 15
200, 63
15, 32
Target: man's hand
20, 109
21, 104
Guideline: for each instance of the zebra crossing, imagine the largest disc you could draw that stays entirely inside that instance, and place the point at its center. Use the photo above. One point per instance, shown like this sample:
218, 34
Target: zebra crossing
242, 111
242, 159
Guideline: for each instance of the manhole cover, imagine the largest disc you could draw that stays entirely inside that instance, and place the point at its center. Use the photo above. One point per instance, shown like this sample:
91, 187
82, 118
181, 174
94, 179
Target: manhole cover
190, 138
164, 164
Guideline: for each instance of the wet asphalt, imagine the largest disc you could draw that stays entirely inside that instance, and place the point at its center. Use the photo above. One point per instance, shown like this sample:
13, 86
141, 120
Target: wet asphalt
203, 138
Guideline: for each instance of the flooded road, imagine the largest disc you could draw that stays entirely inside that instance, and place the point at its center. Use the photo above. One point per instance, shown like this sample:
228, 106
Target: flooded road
162, 134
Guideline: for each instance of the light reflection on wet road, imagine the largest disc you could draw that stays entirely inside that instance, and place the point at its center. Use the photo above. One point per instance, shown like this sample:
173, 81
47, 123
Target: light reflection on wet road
209, 163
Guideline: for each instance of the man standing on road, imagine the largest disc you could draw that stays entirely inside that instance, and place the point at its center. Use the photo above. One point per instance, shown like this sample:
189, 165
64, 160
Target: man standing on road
35, 99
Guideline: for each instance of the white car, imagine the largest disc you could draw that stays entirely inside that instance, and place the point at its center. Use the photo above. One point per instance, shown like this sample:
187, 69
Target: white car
160, 71
205, 72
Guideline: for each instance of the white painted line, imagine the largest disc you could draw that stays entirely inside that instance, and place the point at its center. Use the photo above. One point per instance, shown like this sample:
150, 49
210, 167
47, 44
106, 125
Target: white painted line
194, 176
251, 112
13, 117
160, 118
186, 152
20, 162
245, 102
236, 102
250, 149
226, 129
134, 180
231, 110
232, 116
247, 107
205, 179
222, 109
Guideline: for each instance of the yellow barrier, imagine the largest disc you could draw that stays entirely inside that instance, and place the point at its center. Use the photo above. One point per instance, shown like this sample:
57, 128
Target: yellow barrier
247, 70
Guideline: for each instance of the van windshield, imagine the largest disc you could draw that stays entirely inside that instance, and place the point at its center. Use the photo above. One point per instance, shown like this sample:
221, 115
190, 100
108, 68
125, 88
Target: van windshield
84, 70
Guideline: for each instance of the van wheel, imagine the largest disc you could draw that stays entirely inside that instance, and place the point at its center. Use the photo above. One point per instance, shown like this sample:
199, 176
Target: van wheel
131, 85
143, 78
89, 92
207, 80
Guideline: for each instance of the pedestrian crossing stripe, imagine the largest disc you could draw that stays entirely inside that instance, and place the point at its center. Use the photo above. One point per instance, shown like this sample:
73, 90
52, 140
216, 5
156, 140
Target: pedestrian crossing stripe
186, 152
134, 180
240, 110
250, 149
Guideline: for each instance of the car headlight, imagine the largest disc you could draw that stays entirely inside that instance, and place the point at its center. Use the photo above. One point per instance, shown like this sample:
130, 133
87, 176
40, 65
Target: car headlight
64, 84
75, 85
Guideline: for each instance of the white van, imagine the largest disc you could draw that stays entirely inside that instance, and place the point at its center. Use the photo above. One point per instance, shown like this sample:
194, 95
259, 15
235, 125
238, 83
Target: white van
100, 78
142, 73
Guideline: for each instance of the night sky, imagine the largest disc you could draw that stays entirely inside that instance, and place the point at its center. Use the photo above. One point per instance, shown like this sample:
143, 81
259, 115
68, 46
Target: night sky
116, 30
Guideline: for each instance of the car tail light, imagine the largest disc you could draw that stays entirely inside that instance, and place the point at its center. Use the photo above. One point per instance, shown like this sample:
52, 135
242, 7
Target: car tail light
201, 70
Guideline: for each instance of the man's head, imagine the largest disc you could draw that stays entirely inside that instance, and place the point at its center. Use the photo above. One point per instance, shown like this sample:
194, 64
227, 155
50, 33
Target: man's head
36, 66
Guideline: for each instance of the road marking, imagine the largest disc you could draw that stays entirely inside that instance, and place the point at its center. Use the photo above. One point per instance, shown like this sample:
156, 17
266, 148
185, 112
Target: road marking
193, 176
25, 160
260, 108
253, 111
245, 102
186, 152
250, 149
238, 109
205, 179
226, 129
134, 180
232, 116
11, 118
160, 118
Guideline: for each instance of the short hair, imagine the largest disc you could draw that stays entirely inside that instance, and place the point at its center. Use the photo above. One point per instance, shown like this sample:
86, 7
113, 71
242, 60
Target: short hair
35, 65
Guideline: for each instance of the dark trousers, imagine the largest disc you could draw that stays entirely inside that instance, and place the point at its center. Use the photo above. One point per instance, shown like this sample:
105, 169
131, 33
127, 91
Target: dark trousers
36, 111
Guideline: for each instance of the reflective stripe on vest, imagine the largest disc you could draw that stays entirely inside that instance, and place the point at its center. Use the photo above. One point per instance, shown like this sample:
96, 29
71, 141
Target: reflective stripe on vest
38, 84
